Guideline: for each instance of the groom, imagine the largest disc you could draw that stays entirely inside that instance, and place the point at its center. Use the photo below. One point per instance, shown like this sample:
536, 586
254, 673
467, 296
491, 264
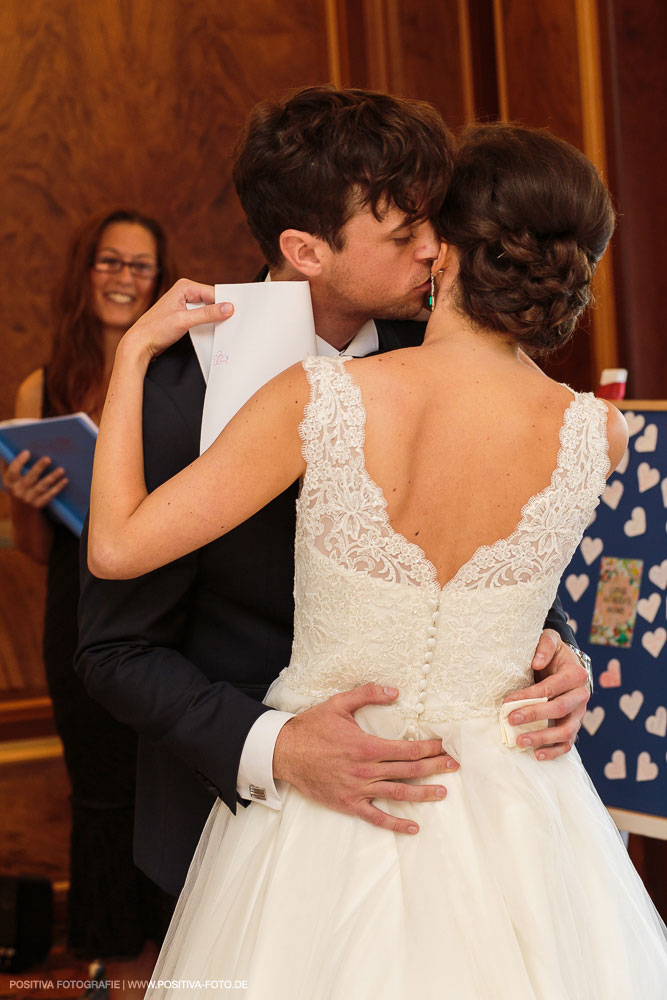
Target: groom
339, 188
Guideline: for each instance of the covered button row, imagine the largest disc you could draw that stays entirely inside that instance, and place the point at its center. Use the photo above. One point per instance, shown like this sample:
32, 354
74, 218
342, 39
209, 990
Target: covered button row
431, 633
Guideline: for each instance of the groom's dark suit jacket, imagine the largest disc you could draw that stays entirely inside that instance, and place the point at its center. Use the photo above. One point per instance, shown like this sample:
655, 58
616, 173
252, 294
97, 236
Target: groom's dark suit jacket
185, 654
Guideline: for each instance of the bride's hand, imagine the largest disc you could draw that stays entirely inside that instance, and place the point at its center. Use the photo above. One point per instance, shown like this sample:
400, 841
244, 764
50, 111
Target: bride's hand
166, 321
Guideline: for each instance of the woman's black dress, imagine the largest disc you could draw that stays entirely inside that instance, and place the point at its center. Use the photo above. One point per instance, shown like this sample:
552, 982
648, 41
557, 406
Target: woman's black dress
113, 908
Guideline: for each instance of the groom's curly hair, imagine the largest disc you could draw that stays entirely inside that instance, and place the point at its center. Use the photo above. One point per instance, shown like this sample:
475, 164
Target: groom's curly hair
312, 160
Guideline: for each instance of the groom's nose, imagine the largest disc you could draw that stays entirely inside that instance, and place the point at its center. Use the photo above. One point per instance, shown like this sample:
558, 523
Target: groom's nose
428, 243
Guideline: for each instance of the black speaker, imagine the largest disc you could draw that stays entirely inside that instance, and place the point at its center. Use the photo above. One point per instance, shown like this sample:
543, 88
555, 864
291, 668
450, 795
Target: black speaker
26, 920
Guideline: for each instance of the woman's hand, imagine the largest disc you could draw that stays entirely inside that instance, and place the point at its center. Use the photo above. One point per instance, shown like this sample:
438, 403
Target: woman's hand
34, 488
170, 318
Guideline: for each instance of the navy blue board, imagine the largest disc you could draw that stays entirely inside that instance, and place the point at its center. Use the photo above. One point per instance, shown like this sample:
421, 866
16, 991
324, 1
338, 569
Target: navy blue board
69, 442
623, 741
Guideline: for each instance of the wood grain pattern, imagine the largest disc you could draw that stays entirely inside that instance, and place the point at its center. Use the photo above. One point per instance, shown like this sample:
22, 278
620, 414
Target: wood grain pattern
540, 83
112, 103
34, 839
22, 591
635, 97
413, 50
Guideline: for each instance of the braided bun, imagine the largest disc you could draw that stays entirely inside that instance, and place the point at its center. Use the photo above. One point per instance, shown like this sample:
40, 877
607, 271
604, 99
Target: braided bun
530, 218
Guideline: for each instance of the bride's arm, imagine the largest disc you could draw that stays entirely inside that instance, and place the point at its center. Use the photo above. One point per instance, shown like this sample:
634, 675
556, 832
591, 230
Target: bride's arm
255, 458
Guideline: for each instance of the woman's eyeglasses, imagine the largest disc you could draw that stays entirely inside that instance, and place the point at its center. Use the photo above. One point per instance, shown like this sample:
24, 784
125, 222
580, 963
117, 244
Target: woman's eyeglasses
107, 264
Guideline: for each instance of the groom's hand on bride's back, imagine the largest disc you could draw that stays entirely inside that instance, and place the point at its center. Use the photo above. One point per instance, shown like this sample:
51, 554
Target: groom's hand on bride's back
326, 755
561, 679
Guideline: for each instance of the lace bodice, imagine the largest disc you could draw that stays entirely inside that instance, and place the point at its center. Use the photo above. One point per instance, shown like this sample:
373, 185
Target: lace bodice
368, 603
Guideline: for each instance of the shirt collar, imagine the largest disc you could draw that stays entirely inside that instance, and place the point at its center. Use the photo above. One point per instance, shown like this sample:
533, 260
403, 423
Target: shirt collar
364, 342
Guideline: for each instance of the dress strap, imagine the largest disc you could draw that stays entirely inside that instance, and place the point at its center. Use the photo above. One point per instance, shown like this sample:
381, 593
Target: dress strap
333, 425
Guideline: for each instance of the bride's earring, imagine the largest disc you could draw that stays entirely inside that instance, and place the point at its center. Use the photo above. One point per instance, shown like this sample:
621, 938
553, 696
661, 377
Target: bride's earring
431, 298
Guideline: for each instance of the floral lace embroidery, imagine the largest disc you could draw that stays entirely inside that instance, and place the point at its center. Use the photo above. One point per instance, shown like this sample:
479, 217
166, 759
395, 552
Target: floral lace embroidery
368, 603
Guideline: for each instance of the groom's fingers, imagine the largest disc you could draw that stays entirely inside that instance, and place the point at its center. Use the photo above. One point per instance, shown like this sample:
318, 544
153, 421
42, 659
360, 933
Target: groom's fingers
367, 694
326, 755
425, 767
377, 817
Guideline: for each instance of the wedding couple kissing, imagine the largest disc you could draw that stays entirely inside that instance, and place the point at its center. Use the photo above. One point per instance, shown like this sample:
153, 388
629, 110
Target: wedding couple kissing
343, 615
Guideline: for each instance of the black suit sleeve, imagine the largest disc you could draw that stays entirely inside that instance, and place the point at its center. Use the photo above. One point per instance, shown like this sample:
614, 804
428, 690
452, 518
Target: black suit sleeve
131, 633
557, 620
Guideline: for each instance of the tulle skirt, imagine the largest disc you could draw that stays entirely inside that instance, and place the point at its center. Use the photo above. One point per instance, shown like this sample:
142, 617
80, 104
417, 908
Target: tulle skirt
517, 887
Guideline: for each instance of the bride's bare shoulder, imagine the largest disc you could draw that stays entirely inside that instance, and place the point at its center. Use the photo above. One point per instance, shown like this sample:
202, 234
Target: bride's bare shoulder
617, 435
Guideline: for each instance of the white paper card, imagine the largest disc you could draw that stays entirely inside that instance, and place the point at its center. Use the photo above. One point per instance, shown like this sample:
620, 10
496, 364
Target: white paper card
202, 341
271, 329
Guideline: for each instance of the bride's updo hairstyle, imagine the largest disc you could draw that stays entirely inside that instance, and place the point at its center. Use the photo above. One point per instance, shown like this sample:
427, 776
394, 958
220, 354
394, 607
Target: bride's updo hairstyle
530, 217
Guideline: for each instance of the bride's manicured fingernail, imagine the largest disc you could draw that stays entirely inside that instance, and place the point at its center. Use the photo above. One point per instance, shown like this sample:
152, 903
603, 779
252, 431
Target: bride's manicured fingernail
452, 763
226, 309
518, 718
413, 829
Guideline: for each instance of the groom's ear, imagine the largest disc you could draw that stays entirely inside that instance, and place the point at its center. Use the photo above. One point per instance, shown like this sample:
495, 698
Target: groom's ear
302, 251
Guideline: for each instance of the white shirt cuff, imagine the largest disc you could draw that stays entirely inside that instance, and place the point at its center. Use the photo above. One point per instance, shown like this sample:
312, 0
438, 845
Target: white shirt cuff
255, 776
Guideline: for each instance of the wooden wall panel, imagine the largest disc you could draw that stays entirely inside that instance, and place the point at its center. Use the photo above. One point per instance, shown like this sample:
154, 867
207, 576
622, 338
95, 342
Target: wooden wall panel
539, 83
135, 103
538, 66
414, 50
633, 37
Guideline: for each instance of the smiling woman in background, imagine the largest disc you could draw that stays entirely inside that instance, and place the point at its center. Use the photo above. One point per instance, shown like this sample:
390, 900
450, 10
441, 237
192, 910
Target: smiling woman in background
116, 268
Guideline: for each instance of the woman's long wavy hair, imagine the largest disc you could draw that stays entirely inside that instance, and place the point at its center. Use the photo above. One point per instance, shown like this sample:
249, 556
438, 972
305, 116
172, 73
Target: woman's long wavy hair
75, 376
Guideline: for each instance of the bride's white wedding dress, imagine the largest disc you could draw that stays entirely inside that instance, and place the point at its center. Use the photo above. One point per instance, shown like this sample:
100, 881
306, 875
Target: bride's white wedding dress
518, 885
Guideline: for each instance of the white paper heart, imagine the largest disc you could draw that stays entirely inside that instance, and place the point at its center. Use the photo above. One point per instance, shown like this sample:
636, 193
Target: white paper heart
593, 720
648, 440
647, 769
611, 677
572, 623
576, 585
593, 516
615, 768
647, 477
591, 549
635, 422
623, 464
613, 493
631, 703
637, 523
663, 487
658, 575
654, 641
648, 607
657, 724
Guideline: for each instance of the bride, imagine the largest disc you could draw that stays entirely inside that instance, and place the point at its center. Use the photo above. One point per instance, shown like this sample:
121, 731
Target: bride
444, 490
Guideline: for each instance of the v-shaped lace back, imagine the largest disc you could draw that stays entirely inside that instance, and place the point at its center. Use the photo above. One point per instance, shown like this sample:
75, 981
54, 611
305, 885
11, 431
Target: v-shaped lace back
368, 603
361, 537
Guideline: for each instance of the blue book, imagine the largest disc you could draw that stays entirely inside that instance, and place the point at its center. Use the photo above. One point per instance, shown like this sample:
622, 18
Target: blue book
69, 442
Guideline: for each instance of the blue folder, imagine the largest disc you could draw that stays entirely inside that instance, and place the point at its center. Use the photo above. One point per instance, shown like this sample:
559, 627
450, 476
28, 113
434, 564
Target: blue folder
69, 442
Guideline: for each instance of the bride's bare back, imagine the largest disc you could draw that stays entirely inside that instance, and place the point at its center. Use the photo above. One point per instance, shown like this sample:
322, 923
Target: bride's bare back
458, 444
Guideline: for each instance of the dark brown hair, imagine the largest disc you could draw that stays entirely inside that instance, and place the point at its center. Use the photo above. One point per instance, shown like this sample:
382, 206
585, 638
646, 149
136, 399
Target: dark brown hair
531, 218
310, 161
76, 366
